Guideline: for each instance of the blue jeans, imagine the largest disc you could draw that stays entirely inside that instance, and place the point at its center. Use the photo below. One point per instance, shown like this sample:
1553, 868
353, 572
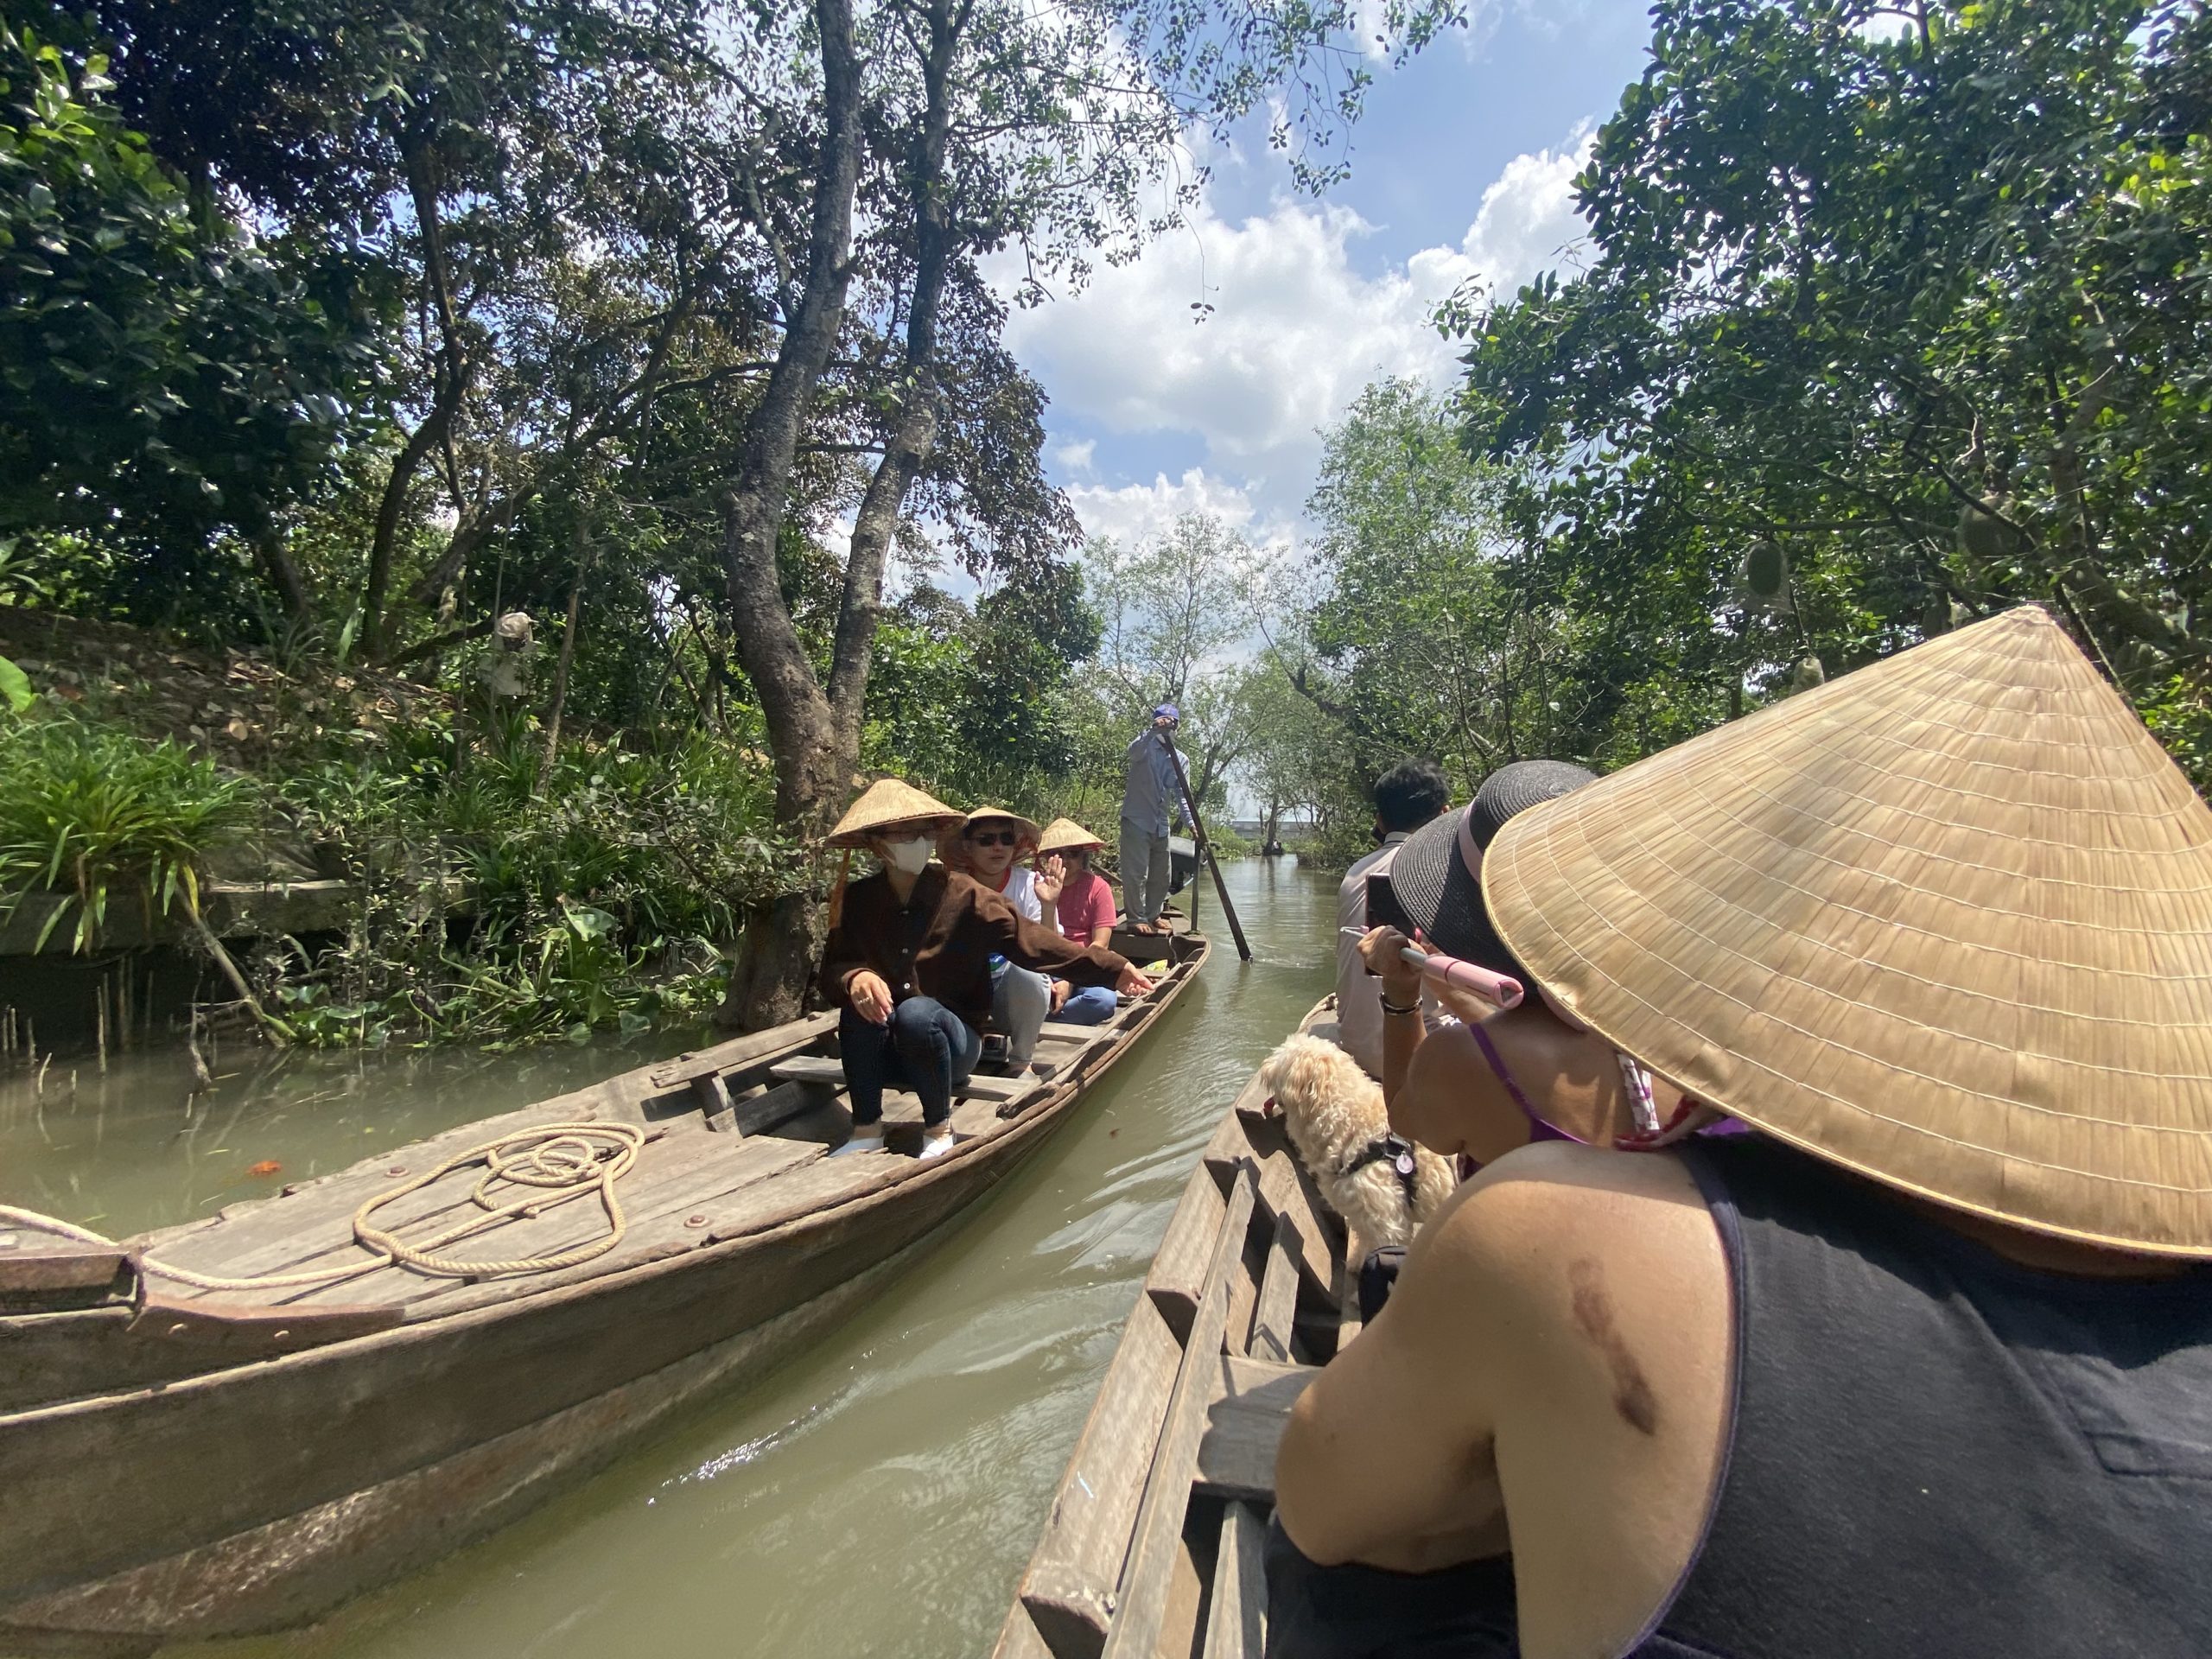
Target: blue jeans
1090, 1005
926, 1047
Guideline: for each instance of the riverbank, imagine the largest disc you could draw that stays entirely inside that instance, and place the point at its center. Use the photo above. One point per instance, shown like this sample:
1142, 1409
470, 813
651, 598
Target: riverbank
380, 860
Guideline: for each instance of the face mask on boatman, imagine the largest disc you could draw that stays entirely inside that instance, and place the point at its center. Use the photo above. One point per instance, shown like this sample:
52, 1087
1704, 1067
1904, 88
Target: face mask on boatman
909, 857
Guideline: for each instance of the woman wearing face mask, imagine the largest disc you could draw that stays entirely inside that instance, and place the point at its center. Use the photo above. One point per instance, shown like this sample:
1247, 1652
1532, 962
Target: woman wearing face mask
908, 963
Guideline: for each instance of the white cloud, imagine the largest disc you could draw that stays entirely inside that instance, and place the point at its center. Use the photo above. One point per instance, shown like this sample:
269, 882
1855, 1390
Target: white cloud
1076, 457
1131, 512
1253, 336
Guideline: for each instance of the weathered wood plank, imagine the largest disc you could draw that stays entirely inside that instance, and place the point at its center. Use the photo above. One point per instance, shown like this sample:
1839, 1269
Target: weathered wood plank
1237, 1616
1142, 1599
739, 1051
1177, 1275
1277, 1308
814, 1068
1068, 1588
34, 1274
1019, 1638
1244, 1420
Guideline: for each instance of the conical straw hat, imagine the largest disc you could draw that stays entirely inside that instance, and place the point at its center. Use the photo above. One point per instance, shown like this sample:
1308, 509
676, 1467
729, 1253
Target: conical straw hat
1946, 920
1063, 833
889, 801
1023, 827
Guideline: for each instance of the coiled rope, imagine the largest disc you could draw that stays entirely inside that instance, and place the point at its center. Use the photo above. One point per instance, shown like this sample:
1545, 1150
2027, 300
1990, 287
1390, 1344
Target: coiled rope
559, 1162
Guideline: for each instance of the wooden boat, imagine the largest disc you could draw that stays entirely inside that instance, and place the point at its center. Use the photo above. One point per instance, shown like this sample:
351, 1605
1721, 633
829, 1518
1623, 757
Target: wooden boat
181, 1463
1152, 1543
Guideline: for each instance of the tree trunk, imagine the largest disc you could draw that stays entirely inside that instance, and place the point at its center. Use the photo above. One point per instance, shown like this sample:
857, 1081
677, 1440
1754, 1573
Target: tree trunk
282, 575
567, 656
914, 435
449, 386
770, 979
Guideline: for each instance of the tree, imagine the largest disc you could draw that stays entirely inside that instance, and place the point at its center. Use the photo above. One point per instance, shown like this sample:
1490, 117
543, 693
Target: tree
164, 375
996, 124
1885, 328
1431, 634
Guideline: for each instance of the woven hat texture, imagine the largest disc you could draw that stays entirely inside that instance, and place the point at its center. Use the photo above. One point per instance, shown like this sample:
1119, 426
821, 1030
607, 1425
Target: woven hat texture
1430, 876
1026, 829
1063, 833
1945, 921
888, 801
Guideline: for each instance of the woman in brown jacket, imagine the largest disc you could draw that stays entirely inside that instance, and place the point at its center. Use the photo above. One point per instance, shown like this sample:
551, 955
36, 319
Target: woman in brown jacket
908, 964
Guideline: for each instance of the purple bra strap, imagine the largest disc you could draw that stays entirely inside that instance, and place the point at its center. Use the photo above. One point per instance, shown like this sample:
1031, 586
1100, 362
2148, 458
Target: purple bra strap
1538, 1129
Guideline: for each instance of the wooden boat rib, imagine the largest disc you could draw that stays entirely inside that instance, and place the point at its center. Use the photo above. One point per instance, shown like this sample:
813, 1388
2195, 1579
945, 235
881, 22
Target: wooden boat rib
187, 1463
1152, 1542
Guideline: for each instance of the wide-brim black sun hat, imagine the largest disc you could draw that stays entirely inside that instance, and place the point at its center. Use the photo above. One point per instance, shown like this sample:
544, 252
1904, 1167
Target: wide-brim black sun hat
1440, 888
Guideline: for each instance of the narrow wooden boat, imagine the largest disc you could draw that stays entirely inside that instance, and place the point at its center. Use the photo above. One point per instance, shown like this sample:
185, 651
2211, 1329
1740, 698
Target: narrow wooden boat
184, 1462
1152, 1543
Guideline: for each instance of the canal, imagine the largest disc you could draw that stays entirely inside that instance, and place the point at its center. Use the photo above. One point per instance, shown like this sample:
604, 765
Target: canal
877, 1496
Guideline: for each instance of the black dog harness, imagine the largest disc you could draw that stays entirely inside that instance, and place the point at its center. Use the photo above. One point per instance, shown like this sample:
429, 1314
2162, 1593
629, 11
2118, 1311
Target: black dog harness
1394, 1149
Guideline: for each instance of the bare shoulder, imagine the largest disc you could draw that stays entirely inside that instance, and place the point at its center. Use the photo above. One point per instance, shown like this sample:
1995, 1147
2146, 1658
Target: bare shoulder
1537, 1227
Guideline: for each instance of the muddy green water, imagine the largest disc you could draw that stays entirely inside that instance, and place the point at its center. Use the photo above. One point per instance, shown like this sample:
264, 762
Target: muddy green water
877, 1495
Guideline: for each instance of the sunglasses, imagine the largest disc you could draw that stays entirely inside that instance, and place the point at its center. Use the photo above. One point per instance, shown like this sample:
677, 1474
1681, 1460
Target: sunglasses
996, 838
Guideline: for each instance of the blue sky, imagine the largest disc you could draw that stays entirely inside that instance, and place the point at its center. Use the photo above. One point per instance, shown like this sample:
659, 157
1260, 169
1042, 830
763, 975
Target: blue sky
1460, 169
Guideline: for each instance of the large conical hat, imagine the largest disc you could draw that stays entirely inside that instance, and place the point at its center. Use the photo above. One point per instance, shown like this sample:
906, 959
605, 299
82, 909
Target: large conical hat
1022, 827
1061, 834
889, 801
1946, 920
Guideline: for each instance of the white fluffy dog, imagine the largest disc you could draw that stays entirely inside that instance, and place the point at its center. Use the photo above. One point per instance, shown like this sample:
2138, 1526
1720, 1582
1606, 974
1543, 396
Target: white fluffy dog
1386, 1188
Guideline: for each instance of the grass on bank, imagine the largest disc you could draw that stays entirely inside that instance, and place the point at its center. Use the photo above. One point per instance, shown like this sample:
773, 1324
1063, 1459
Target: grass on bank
500, 905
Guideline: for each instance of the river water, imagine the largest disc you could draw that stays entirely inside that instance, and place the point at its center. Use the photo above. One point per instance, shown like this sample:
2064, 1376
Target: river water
880, 1494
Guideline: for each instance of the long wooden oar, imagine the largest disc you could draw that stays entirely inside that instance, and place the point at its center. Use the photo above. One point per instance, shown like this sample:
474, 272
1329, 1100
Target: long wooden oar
1205, 847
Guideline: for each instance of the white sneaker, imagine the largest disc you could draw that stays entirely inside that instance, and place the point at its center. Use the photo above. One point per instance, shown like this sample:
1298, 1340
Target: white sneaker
936, 1146
860, 1143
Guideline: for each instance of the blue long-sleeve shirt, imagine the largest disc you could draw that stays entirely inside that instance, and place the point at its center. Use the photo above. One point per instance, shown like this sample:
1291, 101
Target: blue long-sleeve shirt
1151, 793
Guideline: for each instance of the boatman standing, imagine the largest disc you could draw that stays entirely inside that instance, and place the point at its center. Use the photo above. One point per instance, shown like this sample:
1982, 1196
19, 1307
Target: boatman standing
1152, 801
908, 963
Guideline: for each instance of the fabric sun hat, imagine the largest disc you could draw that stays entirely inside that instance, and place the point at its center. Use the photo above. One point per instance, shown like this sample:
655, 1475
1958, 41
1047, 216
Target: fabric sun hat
1064, 835
892, 801
1437, 874
1023, 828
1945, 921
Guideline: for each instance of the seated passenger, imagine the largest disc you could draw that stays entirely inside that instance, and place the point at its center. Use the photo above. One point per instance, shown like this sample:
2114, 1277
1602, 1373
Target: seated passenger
1436, 880
1924, 1369
908, 963
1410, 795
1076, 901
986, 848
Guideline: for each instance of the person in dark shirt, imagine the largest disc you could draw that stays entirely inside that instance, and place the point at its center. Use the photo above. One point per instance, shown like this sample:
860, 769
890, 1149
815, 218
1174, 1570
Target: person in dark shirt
908, 963
1922, 1363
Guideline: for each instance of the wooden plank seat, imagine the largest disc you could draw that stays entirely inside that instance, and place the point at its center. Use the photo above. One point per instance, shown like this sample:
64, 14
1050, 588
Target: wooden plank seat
1245, 1418
812, 1068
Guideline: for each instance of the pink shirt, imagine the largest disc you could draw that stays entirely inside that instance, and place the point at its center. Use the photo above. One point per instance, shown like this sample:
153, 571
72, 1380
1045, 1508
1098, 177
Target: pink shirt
1086, 902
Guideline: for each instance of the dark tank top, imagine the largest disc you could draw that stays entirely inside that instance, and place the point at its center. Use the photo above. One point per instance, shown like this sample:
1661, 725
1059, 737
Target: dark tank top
1932, 1450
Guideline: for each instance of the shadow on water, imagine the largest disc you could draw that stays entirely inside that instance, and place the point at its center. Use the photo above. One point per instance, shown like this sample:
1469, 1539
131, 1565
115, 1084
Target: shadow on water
880, 1494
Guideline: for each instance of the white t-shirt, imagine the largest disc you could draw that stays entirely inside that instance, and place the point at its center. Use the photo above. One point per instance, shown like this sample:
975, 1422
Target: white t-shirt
1359, 994
1020, 892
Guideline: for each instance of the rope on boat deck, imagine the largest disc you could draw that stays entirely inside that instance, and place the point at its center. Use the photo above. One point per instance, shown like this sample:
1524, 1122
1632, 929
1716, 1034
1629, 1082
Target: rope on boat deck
561, 1161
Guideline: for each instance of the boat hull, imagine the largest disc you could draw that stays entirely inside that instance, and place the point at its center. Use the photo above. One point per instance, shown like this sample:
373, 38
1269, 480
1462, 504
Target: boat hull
262, 1497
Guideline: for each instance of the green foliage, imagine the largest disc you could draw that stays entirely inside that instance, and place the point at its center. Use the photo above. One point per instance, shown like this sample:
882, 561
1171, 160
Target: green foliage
1884, 328
500, 911
160, 375
88, 813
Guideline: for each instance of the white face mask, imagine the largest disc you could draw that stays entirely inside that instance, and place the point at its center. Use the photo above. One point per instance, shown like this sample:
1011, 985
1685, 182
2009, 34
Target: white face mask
909, 857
